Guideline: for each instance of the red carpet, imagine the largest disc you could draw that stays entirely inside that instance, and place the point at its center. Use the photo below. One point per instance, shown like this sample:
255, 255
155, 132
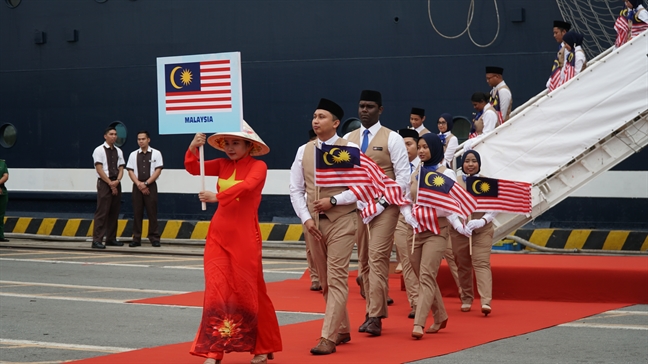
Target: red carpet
605, 281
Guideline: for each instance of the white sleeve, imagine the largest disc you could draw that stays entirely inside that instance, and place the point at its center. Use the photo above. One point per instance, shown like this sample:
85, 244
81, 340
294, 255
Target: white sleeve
132, 161
580, 60
505, 101
400, 161
120, 158
490, 121
489, 216
451, 149
99, 156
298, 187
158, 162
643, 14
450, 174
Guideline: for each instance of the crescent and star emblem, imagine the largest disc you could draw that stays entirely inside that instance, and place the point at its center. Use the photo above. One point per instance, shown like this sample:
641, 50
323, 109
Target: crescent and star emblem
437, 181
326, 155
172, 76
474, 187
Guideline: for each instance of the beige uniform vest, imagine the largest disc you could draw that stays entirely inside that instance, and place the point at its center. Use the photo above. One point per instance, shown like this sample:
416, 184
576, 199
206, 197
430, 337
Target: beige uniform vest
424, 131
308, 166
510, 107
377, 149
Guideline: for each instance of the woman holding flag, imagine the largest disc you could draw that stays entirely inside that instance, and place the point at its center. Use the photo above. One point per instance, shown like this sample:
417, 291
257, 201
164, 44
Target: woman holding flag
477, 256
431, 236
237, 312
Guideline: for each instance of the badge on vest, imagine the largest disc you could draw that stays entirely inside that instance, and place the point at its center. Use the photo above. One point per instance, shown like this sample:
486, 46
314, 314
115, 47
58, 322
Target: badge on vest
377, 148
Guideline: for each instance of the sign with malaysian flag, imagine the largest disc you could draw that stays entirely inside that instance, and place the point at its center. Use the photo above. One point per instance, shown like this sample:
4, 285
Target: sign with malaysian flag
200, 93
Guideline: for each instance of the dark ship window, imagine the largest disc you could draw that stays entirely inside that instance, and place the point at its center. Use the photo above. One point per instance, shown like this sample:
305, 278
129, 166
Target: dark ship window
461, 128
350, 125
7, 135
121, 132
12, 3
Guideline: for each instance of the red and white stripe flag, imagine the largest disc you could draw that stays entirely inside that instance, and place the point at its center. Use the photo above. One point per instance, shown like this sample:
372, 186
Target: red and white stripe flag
426, 218
500, 195
199, 87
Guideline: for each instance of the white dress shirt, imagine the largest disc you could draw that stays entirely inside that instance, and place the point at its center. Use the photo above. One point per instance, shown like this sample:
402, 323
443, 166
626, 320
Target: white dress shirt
99, 156
156, 160
504, 98
298, 185
451, 148
580, 59
420, 128
397, 153
489, 118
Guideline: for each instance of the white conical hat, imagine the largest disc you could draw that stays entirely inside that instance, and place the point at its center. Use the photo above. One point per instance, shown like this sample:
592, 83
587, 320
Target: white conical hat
259, 147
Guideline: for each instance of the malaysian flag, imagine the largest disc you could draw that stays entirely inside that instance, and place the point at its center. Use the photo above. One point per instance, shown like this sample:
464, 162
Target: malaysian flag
622, 28
554, 79
440, 192
198, 87
382, 184
426, 218
500, 195
570, 67
336, 165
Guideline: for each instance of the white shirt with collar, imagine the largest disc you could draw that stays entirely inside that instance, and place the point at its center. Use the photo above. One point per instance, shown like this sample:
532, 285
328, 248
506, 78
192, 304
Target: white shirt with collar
504, 97
451, 148
397, 153
99, 156
298, 185
414, 163
489, 118
156, 160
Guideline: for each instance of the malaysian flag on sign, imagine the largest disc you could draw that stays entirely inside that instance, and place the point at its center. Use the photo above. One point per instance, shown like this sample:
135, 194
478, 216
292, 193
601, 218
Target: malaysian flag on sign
336, 165
500, 195
198, 87
440, 192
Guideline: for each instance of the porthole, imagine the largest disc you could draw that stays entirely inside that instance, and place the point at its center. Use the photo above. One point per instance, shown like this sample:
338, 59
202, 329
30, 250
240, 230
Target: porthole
461, 128
7, 135
12, 3
121, 132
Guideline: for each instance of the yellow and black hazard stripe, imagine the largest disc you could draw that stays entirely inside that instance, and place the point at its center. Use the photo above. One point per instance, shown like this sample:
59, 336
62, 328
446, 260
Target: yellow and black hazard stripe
170, 229
586, 239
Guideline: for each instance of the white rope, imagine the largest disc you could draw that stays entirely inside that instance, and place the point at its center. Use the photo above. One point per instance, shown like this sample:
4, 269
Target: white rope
469, 19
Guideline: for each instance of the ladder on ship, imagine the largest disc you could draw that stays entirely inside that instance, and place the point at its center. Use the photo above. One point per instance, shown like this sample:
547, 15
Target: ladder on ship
562, 140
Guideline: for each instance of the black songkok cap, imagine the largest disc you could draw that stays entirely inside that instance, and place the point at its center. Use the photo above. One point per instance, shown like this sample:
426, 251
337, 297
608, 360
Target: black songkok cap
332, 107
562, 25
408, 133
371, 95
418, 111
496, 70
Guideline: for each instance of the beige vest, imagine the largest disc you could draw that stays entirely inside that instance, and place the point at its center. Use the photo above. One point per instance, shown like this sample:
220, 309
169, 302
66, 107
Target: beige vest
423, 131
377, 149
308, 166
447, 140
510, 107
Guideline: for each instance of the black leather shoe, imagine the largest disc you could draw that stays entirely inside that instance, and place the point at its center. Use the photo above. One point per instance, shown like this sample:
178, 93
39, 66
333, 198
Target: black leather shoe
363, 327
361, 284
374, 328
412, 313
316, 286
156, 244
134, 244
390, 301
114, 243
97, 245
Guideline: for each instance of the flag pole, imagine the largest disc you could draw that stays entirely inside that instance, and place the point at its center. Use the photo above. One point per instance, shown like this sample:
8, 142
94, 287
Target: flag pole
317, 189
202, 173
470, 237
418, 174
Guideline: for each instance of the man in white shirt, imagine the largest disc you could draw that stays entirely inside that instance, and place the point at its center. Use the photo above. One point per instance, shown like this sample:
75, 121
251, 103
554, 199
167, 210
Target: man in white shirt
500, 95
144, 168
486, 119
560, 28
109, 164
417, 118
376, 238
330, 223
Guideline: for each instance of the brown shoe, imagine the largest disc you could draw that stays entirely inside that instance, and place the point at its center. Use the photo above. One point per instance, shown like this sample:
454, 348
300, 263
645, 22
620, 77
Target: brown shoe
342, 338
436, 327
361, 284
324, 347
364, 325
374, 328
315, 286
390, 301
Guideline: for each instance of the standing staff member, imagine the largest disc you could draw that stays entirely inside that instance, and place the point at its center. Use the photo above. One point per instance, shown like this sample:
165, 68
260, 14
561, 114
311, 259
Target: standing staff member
387, 149
559, 29
485, 119
109, 163
144, 167
500, 95
449, 141
417, 118
4, 198
330, 222
482, 229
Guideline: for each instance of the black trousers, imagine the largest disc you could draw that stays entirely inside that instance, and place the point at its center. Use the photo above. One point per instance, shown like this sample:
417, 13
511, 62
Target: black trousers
150, 203
107, 213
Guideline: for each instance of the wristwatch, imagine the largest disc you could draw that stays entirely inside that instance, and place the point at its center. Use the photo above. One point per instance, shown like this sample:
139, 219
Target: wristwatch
383, 202
146, 183
333, 201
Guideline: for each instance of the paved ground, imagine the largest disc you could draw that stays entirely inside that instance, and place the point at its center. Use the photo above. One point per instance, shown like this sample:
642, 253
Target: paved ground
59, 305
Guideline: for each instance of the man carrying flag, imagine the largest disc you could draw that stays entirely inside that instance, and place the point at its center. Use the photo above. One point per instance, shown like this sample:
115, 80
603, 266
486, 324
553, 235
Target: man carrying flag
330, 222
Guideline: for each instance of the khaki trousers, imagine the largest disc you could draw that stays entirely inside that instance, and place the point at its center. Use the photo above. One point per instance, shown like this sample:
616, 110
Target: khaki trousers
381, 241
402, 240
331, 257
482, 241
362, 241
426, 259
312, 271
450, 259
